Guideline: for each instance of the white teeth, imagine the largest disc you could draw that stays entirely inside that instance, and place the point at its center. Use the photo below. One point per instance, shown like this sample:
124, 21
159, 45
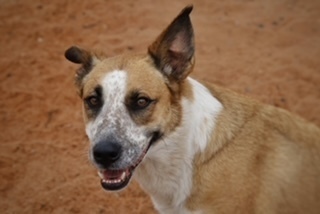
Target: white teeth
111, 181
123, 176
114, 181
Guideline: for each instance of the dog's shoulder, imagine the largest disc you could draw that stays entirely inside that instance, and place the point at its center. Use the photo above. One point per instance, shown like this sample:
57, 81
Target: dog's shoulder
254, 142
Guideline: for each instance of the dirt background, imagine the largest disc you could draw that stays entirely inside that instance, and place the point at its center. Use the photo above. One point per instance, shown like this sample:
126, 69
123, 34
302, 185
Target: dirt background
269, 50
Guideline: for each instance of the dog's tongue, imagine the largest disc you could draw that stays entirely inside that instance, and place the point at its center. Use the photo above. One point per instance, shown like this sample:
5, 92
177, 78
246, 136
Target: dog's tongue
113, 174
114, 179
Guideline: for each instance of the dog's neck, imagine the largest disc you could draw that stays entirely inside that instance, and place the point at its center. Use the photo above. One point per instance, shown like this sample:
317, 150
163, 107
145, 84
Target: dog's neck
166, 173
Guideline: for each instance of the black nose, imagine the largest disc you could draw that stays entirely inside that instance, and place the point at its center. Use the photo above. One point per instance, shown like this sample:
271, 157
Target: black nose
106, 153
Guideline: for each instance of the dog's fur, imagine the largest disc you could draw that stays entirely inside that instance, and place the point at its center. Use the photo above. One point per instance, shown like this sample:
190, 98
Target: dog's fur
212, 150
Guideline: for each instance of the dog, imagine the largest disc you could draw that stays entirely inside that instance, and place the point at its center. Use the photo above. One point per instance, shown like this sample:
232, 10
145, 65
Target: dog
194, 147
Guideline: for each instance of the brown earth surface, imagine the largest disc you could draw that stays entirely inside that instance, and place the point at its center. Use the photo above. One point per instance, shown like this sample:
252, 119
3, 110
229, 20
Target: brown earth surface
269, 50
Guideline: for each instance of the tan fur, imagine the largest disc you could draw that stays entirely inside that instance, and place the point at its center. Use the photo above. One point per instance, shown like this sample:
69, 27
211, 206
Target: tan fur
146, 78
261, 159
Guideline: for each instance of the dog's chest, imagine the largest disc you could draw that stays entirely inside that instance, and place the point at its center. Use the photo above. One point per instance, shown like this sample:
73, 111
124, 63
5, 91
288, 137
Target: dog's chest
166, 174
168, 180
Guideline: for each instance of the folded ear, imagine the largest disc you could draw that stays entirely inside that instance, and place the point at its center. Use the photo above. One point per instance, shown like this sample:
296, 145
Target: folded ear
173, 50
80, 56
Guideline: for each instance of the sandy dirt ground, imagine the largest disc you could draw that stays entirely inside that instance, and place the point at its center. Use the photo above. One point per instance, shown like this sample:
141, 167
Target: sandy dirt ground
269, 50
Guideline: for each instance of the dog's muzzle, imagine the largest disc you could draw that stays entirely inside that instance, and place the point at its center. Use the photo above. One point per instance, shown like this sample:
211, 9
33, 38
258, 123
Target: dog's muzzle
106, 154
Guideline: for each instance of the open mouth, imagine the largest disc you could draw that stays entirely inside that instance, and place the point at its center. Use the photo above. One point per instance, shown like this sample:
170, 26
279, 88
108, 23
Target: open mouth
118, 179
113, 180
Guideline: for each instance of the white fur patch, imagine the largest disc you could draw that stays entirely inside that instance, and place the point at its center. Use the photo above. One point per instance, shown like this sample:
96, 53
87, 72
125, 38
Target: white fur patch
167, 69
114, 85
167, 170
166, 173
114, 122
202, 114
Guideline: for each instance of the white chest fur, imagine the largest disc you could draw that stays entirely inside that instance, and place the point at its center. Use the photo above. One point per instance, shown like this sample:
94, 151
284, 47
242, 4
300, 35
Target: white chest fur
166, 172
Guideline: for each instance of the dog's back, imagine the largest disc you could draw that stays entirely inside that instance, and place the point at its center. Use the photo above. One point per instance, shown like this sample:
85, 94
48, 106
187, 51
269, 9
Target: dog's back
261, 159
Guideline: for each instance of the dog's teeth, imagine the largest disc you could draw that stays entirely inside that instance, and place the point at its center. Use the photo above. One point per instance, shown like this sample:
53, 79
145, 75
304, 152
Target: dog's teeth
112, 181
123, 176
115, 181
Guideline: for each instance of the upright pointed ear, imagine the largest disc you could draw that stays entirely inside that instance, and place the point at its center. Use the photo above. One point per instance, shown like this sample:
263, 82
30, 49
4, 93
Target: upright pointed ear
83, 57
173, 50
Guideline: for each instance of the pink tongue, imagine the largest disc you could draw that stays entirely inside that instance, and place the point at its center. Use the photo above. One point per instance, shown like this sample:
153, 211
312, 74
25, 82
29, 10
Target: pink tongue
112, 174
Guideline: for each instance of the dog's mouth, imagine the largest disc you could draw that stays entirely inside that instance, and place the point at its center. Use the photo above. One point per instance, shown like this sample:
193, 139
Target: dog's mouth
113, 180
117, 179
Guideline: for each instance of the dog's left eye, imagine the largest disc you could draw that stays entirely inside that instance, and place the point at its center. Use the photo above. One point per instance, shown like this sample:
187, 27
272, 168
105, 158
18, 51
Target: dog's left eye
137, 101
93, 101
142, 102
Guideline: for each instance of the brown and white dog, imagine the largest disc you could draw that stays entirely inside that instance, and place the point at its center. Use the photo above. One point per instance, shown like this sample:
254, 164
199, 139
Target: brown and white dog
194, 147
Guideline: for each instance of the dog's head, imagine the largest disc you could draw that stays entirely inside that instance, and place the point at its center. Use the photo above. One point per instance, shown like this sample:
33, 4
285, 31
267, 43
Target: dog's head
132, 101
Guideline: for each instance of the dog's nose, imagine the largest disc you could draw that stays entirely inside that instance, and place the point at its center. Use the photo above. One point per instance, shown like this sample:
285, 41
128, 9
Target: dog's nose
106, 153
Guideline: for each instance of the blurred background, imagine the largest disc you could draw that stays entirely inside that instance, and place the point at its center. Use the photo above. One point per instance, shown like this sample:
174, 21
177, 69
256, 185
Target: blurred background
268, 50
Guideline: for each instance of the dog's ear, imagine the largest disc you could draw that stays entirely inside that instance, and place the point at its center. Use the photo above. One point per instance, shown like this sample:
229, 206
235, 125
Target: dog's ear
173, 50
83, 57
79, 56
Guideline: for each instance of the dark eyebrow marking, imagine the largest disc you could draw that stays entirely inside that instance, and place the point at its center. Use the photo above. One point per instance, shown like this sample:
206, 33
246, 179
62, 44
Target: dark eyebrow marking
98, 90
92, 110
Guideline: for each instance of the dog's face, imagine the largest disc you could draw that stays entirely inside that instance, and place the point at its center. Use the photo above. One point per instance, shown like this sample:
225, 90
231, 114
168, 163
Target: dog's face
126, 108
132, 101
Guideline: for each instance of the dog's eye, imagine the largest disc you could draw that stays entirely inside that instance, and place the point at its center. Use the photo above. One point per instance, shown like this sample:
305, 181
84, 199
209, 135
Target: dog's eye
142, 102
138, 101
93, 101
